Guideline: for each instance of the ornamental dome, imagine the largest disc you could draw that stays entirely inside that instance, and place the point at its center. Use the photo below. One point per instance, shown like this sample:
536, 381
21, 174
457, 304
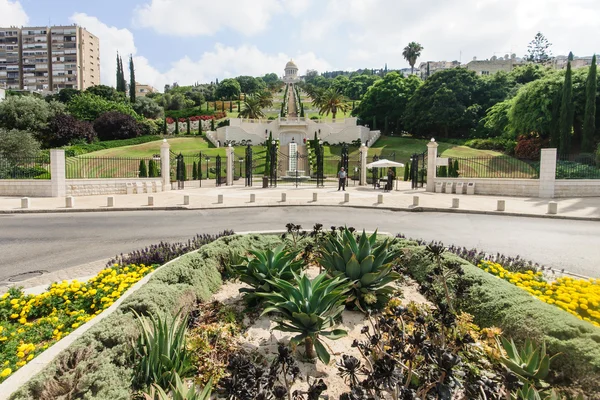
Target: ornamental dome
291, 64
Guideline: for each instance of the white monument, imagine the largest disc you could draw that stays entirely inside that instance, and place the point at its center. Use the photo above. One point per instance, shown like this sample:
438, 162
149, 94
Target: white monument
291, 73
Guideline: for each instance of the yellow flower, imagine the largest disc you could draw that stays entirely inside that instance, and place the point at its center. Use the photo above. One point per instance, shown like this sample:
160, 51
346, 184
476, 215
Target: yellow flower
14, 316
21, 363
75, 325
5, 372
20, 354
30, 357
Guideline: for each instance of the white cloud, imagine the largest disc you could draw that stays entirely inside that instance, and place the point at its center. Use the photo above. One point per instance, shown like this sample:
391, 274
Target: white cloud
220, 62
12, 14
207, 17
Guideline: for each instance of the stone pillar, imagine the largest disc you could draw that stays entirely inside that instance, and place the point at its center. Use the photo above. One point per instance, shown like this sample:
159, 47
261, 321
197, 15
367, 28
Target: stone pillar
363, 165
230, 165
431, 164
547, 173
165, 165
58, 175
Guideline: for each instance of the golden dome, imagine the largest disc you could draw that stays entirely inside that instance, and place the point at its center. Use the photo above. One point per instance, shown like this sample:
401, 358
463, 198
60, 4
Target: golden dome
291, 64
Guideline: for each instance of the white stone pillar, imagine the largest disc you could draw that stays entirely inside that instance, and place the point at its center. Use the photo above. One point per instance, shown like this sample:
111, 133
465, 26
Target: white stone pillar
431, 164
547, 173
165, 165
230, 165
58, 176
363, 165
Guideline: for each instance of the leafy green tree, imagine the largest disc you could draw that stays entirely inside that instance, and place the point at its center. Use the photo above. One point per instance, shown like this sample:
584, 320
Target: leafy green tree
64, 96
252, 108
265, 99
496, 119
444, 103
175, 101
16, 144
411, 53
88, 107
359, 84
567, 112
528, 73
340, 83
106, 92
143, 169
387, 97
27, 113
228, 89
147, 107
589, 121
538, 50
249, 84
131, 80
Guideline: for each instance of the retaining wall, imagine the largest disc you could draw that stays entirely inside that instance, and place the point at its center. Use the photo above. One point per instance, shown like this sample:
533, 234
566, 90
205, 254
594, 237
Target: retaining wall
91, 187
26, 187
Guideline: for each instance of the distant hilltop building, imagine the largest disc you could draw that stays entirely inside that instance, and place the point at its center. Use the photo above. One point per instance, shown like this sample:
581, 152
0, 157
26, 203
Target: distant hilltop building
560, 62
426, 69
291, 73
48, 59
494, 64
142, 90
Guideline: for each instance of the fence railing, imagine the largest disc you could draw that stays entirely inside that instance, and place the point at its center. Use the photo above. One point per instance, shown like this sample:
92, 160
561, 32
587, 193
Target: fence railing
109, 167
579, 166
491, 167
25, 168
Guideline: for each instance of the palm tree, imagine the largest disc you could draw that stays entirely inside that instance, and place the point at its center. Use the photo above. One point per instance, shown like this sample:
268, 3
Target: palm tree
265, 98
252, 108
331, 100
411, 53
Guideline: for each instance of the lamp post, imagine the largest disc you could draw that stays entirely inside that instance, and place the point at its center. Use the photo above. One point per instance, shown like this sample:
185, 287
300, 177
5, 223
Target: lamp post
241, 160
207, 160
273, 166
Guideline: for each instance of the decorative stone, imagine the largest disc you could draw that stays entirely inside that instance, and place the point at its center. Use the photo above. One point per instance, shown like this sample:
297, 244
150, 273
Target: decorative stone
346, 197
25, 202
315, 196
150, 200
455, 202
70, 202
252, 198
415, 201
283, 197
379, 199
220, 199
186, 200
553, 207
501, 206
110, 201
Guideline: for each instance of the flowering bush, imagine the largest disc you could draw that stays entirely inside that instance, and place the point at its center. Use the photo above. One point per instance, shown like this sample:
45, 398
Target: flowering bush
29, 324
579, 297
216, 115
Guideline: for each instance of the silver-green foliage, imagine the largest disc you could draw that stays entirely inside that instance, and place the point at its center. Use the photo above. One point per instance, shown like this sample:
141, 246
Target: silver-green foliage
531, 363
308, 308
179, 391
263, 265
161, 353
368, 266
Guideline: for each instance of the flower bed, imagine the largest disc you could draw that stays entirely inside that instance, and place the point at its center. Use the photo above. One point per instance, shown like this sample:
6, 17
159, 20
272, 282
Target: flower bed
580, 297
29, 324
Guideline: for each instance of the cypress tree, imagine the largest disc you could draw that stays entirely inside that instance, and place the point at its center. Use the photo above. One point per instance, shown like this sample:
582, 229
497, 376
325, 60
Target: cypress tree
189, 127
375, 123
176, 126
143, 169
200, 127
456, 168
302, 110
131, 80
195, 171
199, 173
165, 131
385, 125
152, 169
212, 124
183, 171
223, 105
555, 118
230, 106
406, 171
567, 112
207, 106
589, 119
118, 74
239, 105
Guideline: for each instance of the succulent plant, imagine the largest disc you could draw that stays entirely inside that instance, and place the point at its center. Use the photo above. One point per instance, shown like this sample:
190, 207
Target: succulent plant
367, 266
530, 363
264, 265
309, 308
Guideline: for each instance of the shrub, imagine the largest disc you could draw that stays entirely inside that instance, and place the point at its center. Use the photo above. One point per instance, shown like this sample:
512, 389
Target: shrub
80, 149
27, 113
89, 107
114, 125
64, 129
147, 107
143, 171
16, 144
151, 127
152, 169
497, 144
529, 147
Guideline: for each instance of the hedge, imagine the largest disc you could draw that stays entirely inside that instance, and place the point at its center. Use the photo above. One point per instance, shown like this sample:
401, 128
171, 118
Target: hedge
106, 370
79, 149
495, 302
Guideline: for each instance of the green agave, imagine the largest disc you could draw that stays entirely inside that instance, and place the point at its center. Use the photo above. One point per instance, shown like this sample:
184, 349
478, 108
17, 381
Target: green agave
309, 308
264, 265
180, 391
531, 363
366, 266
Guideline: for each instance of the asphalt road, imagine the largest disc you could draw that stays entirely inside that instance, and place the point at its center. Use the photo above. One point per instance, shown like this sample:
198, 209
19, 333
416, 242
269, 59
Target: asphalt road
51, 242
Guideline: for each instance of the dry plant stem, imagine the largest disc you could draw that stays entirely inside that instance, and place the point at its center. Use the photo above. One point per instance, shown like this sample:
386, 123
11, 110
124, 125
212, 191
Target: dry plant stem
309, 349
287, 384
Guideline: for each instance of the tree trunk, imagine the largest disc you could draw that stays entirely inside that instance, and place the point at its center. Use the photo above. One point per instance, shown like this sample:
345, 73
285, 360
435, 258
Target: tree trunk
310, 349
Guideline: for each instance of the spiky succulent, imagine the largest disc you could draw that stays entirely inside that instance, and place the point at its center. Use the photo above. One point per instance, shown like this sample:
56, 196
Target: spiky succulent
366, 265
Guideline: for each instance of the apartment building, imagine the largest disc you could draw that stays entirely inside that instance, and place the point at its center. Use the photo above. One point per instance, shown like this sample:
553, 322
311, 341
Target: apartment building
49, 59
142, 89
426, 69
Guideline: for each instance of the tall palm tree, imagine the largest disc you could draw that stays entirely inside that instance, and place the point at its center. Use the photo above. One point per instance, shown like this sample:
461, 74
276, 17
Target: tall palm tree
331, 100
411, 53
265, 98
252, 108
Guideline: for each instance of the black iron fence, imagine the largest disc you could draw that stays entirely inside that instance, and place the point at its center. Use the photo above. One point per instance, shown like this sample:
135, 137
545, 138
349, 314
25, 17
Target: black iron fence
577, 166
25, 168
490, 167
111, 167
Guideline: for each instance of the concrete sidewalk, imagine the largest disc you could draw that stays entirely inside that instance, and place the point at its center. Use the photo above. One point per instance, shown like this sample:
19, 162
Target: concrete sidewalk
236, 196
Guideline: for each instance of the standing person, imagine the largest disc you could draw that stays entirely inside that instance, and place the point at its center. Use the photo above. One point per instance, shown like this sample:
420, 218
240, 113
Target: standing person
342, 175
390, 176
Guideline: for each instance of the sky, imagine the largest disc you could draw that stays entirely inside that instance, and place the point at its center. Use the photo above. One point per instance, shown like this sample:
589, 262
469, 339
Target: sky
188, 41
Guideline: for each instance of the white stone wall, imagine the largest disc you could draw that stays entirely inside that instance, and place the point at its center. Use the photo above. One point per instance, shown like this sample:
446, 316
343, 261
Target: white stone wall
577, 188
500, 187
26, 187
91, 187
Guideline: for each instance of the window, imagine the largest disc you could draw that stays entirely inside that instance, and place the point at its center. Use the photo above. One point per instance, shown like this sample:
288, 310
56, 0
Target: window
485, 72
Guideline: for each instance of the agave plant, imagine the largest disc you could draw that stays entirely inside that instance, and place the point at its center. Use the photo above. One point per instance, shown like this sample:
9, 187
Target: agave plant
264, 265
309, 308
161, 352
367, 266
180, 391
530, 364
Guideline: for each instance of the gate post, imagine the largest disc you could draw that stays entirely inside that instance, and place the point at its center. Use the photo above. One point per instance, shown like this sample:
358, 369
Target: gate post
230, 165
547, 173
363, 165
58, 177
165, 165
431, 164
248, 166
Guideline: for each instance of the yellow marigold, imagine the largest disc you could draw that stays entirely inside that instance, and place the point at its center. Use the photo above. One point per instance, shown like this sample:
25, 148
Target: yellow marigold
14, 316
5, 372
30, 357
21, 363
20, 354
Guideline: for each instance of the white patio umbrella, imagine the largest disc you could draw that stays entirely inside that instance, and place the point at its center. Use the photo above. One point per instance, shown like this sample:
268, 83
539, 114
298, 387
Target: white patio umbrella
384, 164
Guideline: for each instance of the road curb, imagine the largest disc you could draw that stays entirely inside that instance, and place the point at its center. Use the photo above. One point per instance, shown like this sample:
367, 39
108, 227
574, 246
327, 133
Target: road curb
289, 204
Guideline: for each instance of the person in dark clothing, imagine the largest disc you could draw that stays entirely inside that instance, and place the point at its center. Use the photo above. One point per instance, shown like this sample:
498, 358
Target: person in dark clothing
390, 182
342, 176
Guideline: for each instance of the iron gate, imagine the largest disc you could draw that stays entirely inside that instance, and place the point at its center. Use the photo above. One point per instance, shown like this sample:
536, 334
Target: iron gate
293, 170
418, 170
